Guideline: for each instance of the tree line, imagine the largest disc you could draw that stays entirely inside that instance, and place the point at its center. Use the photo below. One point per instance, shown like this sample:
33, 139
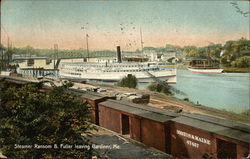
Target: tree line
231, 54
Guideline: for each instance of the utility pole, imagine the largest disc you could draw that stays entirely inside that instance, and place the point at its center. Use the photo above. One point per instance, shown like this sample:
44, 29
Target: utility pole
8, 52
1, 50
11, 51
8, 45
1, 23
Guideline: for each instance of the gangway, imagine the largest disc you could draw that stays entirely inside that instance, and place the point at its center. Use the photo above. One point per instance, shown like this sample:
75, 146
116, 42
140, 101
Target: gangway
164, 84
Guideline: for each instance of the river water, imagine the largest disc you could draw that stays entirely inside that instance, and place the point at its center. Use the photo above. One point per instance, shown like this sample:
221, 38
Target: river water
229, 91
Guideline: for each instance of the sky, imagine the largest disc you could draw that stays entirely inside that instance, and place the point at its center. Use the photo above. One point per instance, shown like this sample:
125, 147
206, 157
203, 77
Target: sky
108, 23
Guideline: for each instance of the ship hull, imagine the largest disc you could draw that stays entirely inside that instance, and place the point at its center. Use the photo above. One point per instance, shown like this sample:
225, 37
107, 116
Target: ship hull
142, 77
167, 79
210, 71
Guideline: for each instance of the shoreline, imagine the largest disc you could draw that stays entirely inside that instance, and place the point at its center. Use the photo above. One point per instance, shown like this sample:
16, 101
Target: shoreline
226, 69
236, 70
171, 103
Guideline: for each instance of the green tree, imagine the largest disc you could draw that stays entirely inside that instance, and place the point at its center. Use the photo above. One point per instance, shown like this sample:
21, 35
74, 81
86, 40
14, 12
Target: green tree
29, 50
156, 87
192, 51
148, 48
241, 62
31, 116
214, 50
246, 112
2, 48
234, 50
130, 81
170, 47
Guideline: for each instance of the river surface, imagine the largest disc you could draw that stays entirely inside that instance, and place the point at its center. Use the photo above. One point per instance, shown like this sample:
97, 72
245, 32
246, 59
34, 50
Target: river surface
229, 91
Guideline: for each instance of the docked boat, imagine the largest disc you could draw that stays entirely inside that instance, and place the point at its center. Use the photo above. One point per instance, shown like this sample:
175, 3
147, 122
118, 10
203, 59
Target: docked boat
143, 71
5, 73
204, 66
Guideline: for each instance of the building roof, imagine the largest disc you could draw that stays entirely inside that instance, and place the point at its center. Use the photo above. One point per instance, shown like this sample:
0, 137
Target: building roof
214, 125
218, 126
92, 95
140, 110
32, 57
17, 80
88, 94
201, 58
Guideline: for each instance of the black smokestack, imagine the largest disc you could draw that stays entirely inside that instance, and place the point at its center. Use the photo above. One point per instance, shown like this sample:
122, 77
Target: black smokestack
119, 56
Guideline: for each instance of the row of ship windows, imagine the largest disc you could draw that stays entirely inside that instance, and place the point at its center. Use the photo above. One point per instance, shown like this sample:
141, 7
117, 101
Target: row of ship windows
114, 71
108, 66
71, 73
129, 70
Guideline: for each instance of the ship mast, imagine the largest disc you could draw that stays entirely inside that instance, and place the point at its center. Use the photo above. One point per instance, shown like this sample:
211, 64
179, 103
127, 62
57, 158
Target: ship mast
209, 59
87, 41
55, 55
87, 44
141, 40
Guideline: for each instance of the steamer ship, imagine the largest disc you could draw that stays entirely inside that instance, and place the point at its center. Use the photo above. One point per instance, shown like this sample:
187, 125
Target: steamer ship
145, 72
112, 72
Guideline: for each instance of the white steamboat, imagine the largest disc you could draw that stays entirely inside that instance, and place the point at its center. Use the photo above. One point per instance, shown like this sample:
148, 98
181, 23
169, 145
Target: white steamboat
144, 72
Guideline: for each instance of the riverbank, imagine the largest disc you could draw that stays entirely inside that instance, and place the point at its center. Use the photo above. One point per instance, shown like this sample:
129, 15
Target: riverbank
226, 69
173, 104
176, 66
236, 70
